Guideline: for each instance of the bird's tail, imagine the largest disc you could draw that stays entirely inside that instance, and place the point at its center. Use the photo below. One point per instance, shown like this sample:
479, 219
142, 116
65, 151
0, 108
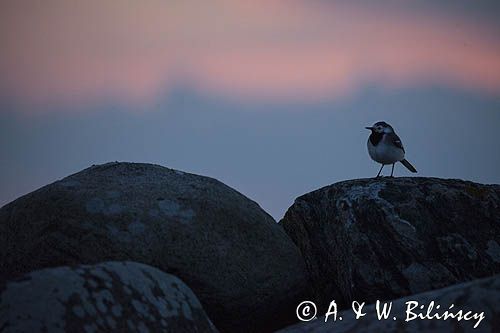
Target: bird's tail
408, 165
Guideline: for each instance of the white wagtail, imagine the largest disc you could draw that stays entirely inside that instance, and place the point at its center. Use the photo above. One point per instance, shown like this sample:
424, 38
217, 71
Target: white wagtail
385, 147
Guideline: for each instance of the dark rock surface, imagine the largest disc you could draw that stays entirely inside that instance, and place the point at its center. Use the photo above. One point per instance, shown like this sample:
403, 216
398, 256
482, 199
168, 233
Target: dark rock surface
239, 262
478, 296
108, 297
385, 238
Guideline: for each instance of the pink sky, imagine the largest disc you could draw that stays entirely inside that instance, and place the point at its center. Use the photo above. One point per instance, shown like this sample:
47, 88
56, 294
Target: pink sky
60, 51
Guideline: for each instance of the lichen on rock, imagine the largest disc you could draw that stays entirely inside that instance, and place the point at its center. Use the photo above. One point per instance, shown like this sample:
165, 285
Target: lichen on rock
108, 297
384, 238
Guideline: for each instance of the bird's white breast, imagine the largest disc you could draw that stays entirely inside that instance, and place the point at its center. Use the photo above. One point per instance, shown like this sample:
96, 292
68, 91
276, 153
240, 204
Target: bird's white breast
384, 152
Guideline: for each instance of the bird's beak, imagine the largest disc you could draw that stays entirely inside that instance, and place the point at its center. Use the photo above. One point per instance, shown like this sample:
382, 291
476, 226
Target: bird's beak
369, 128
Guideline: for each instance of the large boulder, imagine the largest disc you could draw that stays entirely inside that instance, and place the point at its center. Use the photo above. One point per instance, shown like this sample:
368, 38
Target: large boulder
240, 263
108, 297
476, 308
384, 238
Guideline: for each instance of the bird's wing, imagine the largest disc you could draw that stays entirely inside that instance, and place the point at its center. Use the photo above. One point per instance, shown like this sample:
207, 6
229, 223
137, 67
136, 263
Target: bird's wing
396, 141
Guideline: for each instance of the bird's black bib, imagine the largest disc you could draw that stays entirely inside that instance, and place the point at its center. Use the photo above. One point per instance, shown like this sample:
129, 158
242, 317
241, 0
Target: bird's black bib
376, 137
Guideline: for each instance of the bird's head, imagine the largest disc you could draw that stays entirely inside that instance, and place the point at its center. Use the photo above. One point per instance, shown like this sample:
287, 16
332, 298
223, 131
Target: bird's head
381, 127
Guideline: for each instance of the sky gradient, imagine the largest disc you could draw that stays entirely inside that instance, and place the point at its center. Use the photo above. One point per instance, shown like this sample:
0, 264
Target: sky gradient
270, 97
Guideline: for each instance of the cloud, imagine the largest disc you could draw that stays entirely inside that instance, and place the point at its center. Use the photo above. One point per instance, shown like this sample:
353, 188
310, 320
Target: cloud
83, 51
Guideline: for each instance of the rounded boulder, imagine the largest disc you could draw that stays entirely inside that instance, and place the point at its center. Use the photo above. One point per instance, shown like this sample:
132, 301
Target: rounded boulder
240, 263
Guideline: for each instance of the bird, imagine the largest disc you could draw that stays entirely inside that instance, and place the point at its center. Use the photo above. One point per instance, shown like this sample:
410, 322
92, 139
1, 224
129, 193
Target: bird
385, 147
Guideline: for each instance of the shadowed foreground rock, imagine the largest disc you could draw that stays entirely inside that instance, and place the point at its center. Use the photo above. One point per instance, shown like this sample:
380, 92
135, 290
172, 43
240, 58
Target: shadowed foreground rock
239, 262
477, 296
109, 297
372, 239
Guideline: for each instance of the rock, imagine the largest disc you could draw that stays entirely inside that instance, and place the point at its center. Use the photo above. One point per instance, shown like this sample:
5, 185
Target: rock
480, 296
379, 239
240, 263
108, 297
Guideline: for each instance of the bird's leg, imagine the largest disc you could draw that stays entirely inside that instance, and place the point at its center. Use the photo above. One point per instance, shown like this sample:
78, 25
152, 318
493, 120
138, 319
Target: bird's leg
392, 171
378, 174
